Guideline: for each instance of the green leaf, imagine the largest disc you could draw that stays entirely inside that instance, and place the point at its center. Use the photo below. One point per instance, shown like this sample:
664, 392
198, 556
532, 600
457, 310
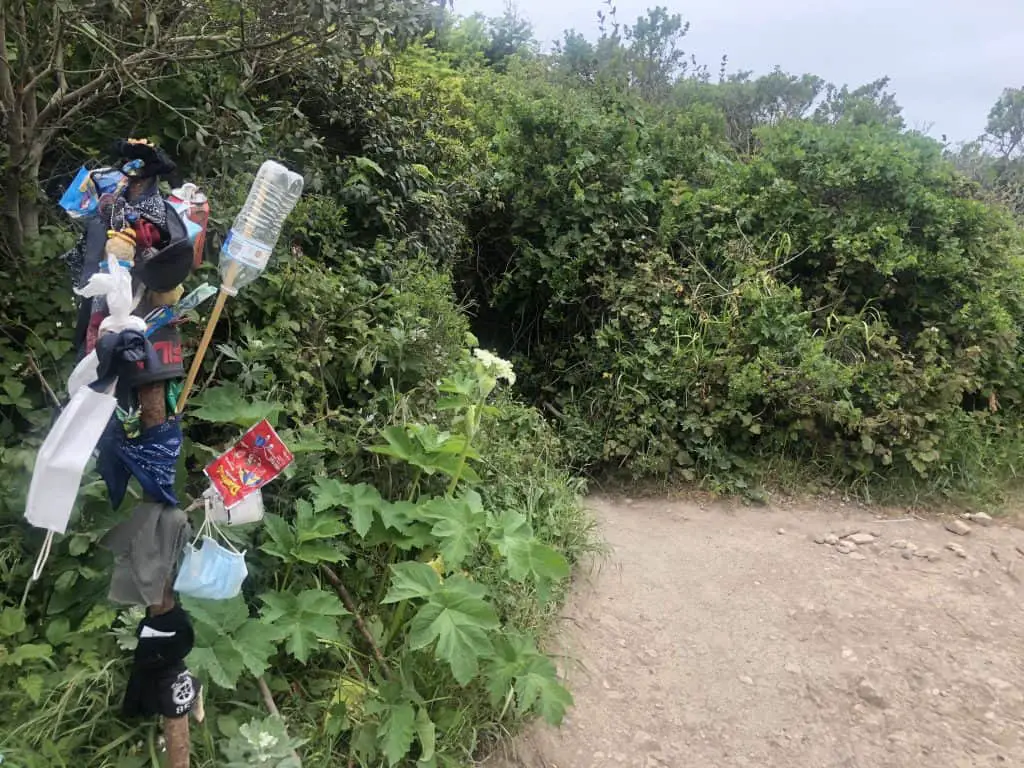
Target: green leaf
411, 580
12, 621
396, 731
364, 502
228, 642
458, 619
526, 558
458, 524
32, 685
399, 445
228, 404
283, 541
57, 631
518, 665
312, 523
361, 500
316, 552
329, 494
100, 617
303, 620
25, 652
366, 164
426, 731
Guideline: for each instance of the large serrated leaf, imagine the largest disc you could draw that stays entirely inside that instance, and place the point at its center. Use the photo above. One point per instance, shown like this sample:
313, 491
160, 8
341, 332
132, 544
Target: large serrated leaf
228, 404
228, 642
410, 581
396, 732
458, 619
302, 620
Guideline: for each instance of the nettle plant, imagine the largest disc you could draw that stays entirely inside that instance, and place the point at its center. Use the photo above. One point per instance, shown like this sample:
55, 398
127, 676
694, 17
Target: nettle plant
432, 634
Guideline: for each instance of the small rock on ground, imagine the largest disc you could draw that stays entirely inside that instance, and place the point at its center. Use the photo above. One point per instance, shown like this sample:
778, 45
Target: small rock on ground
845, 547
959, 527
981, 518
956, 549
870, 695
832, 539
861, 538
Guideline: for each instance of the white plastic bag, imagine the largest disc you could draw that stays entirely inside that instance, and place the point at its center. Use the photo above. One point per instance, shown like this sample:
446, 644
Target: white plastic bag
248, 510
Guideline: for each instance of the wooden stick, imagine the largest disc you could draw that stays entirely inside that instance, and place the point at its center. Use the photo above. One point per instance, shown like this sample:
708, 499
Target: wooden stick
268, 700
204, 344
179, 742
350, 604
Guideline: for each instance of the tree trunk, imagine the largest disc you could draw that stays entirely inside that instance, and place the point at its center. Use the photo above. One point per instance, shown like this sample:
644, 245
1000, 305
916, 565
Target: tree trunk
13, 222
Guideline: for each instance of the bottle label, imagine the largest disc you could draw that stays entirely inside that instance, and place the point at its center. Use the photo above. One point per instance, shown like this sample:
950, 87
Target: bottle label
251, 253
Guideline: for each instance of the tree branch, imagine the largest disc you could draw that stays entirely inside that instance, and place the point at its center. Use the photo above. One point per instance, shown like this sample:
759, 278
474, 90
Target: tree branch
350, 605
6, 79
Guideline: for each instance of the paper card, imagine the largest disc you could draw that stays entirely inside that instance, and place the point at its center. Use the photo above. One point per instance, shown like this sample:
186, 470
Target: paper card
251, 463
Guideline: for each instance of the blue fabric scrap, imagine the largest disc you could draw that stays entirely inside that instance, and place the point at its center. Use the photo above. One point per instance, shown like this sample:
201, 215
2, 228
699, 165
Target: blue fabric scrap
152, 458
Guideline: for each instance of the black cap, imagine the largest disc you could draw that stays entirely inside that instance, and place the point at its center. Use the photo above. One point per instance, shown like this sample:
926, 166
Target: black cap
155, 162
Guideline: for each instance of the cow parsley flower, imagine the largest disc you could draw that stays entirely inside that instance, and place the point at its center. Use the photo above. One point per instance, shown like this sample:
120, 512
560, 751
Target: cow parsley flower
496, 366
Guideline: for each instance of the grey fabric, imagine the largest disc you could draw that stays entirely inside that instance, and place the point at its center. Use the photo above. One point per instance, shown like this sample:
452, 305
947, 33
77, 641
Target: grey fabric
146, 547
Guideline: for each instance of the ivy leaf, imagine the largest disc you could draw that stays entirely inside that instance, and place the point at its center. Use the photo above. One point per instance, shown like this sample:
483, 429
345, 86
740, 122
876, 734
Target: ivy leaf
426, 731
228, 642
396, 732
458, 524
228, 404
303, 620
458, 618
410, 581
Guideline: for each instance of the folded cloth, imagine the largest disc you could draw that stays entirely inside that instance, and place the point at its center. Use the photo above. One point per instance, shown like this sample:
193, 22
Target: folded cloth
146, 547
159, 683
152, 458
122, 354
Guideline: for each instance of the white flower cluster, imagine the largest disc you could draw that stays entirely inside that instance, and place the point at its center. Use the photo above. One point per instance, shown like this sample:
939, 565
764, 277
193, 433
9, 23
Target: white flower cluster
499, 368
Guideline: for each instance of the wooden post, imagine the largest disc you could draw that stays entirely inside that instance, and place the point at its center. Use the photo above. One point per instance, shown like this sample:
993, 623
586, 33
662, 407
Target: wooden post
153, 412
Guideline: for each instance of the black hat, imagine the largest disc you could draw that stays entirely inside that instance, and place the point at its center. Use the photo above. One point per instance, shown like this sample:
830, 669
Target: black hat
155, 162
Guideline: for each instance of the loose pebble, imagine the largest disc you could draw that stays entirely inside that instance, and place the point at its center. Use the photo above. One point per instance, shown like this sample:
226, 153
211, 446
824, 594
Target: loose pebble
981, 518
861, 538
959, 527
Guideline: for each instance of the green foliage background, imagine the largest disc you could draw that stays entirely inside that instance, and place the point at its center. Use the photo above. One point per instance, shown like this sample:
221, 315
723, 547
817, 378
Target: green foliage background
735, 282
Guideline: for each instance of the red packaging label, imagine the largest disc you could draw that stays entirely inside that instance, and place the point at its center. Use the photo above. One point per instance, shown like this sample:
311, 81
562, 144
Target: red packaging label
251, 463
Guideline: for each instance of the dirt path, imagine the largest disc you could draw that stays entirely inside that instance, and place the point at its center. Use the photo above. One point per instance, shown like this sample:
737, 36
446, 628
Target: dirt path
727, 637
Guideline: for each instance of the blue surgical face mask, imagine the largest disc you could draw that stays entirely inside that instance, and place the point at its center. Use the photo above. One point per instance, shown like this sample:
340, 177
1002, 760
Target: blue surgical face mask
211, 572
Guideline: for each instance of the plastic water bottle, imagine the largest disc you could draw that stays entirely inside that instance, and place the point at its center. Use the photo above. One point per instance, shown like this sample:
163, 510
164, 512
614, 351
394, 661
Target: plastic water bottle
257, 227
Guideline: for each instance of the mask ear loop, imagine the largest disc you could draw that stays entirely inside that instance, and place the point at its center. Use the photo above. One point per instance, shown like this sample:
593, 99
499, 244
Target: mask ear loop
205, 527
223, 538
44, 555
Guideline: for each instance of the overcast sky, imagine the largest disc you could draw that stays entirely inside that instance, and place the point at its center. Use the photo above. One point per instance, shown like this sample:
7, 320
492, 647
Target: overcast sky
948, 59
